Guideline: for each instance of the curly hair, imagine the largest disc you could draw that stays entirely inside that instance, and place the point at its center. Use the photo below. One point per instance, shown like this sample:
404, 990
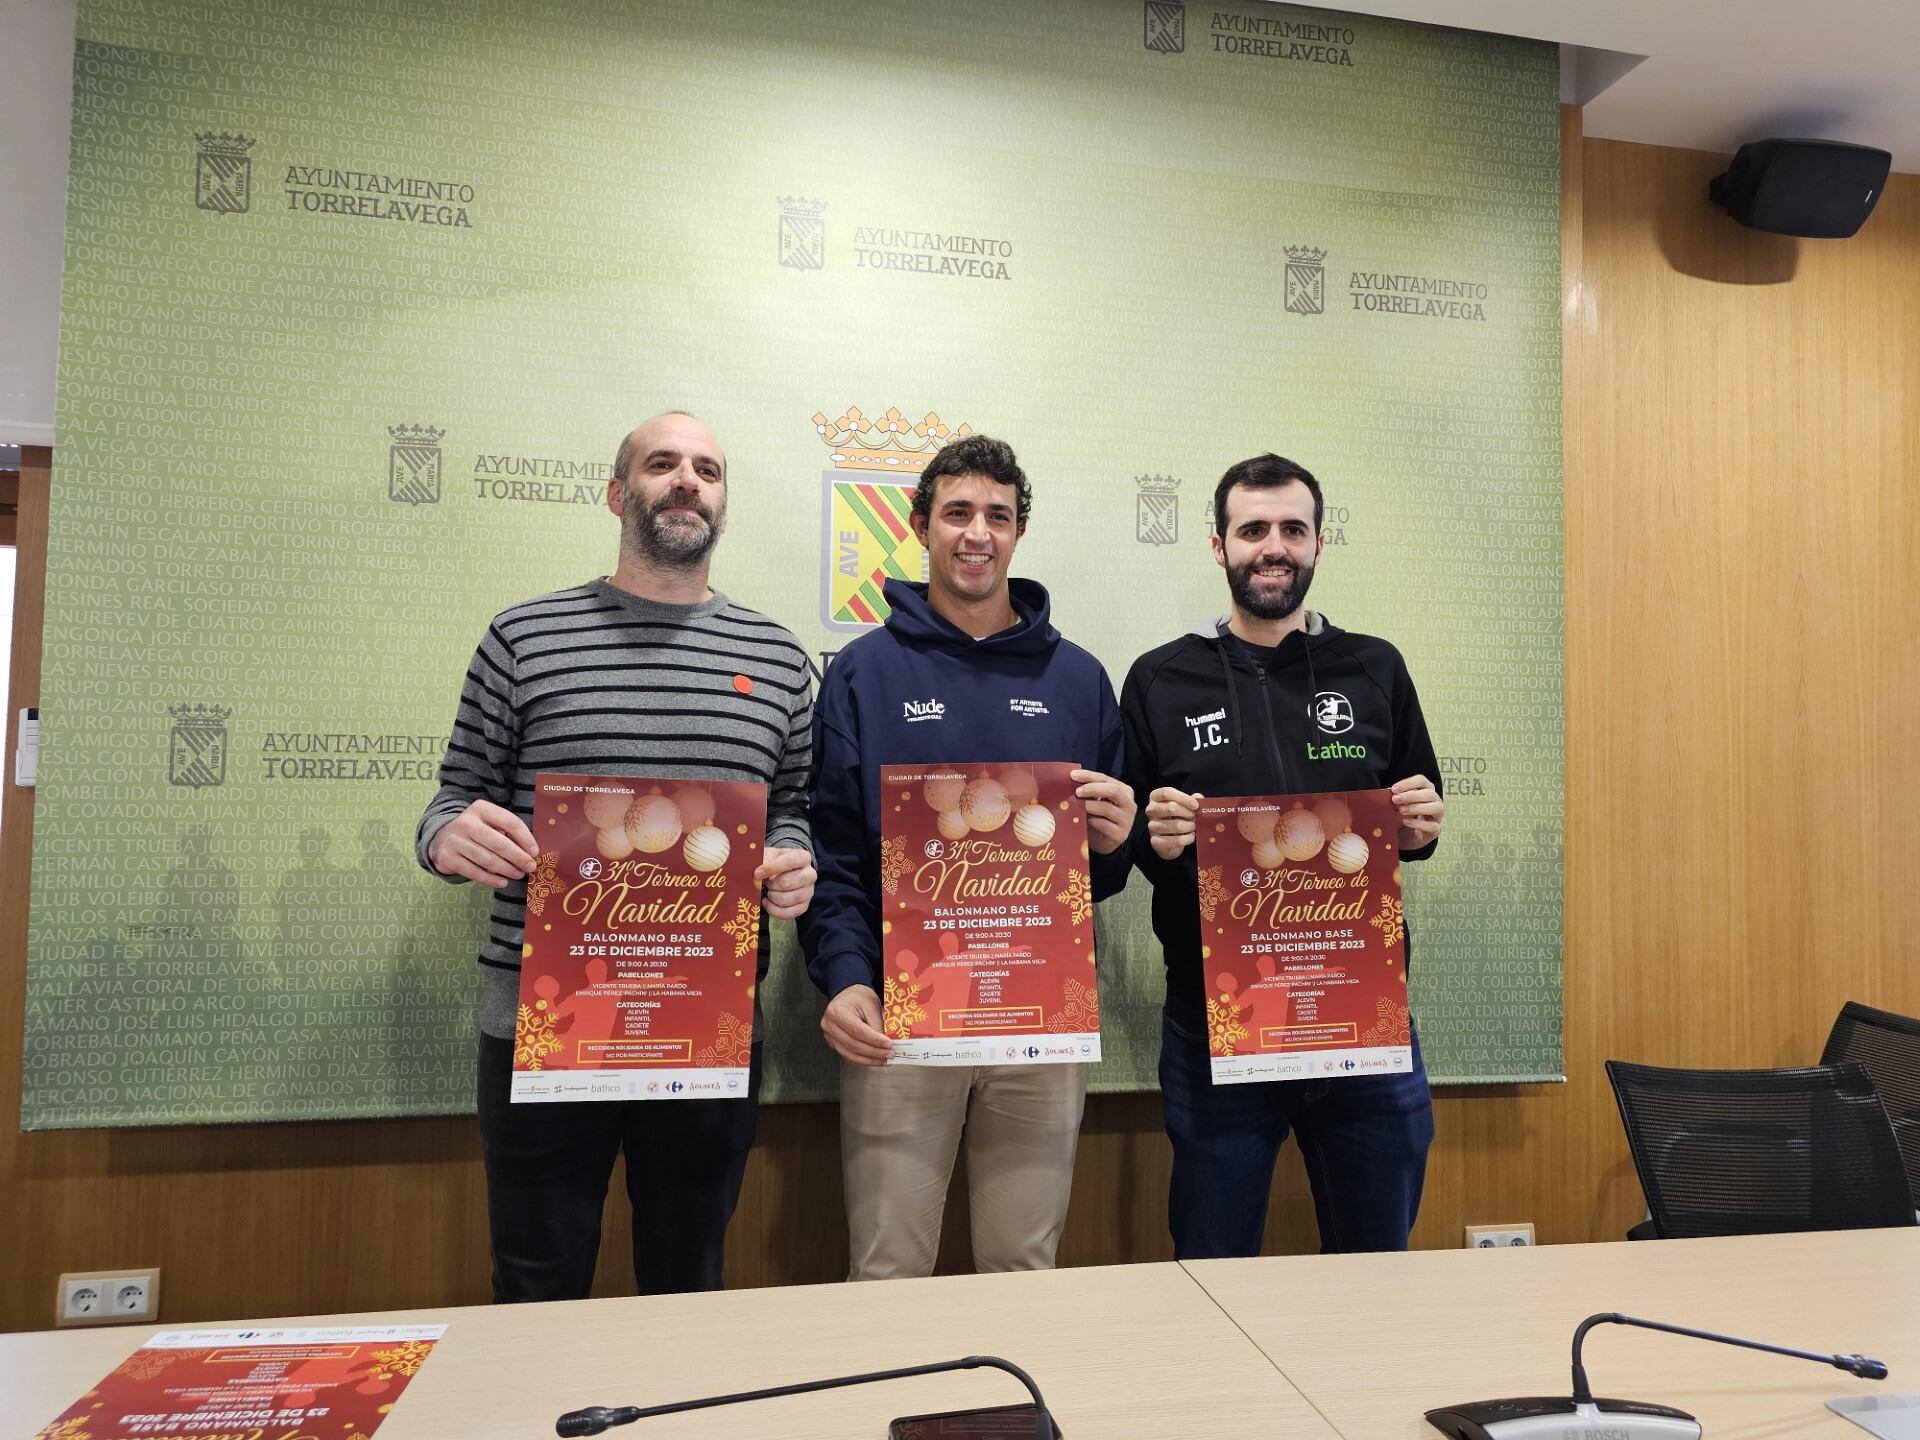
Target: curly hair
974, 455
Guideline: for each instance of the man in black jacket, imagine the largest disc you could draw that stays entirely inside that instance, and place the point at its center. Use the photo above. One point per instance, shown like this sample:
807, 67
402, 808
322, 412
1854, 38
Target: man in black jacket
1273, 700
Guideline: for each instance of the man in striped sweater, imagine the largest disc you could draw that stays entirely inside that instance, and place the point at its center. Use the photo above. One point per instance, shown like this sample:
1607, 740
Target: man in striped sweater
648, 672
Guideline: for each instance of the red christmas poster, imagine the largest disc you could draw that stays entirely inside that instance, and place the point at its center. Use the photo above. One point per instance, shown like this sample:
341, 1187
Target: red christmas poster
269, 1384
987, 911
643, 927
1302, 936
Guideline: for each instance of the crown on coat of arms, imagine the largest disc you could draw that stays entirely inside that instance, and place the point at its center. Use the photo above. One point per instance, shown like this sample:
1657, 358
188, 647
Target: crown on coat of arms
892, 442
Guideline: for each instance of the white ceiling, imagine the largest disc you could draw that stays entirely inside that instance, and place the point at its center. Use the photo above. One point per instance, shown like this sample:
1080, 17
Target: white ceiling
1718, 73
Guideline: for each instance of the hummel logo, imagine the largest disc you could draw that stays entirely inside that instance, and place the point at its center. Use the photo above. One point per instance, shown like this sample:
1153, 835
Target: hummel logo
923, 710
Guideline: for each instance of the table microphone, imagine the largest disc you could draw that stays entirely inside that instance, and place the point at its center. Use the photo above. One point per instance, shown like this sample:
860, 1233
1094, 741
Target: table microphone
1572, 1417
596, 1418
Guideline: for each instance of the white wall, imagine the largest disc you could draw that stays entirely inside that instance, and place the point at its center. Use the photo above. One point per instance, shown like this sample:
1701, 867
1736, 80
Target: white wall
36, 103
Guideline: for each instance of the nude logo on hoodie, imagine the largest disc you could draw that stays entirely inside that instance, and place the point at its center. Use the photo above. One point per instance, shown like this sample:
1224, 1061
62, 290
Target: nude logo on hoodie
922, 710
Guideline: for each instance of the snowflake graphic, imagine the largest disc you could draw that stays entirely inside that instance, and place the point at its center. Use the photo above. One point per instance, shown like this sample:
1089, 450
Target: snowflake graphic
1081, 1014
406, 1358
1211, 891
1389, 922
533, 1038
544, 881
1392, 1027
1077, 897
901, 1010
733, 1047
144, 1364
744, 927
1224, 1029
893, 863
75, 1429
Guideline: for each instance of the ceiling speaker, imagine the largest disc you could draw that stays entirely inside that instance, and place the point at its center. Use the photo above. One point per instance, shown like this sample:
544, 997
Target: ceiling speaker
1820, 188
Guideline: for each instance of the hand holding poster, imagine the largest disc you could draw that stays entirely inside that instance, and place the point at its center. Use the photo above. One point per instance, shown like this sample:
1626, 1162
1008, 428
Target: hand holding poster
987, 908
643, 927
269, 1384
1302, 936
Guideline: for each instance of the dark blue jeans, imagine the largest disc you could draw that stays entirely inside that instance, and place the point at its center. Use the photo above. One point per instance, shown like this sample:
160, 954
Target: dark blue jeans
1364, 1138
547, 1169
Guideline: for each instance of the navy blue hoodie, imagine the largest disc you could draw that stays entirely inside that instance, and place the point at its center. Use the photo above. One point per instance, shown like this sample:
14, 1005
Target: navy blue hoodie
922, 691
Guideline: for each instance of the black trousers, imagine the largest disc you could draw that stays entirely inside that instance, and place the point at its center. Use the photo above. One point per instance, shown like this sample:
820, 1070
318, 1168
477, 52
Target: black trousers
547, 1169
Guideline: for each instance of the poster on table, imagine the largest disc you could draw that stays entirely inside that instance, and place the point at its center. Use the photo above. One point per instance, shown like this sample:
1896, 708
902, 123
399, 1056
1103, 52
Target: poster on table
262, 1384
642, 936
987, 916
1302, 936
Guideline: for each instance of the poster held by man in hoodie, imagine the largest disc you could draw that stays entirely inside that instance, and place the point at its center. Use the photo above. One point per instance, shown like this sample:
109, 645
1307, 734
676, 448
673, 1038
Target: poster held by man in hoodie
987, 903
1302, 936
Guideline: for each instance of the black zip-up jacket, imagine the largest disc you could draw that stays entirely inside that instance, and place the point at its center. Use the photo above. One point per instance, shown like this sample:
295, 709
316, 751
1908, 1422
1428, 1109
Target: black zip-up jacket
1324, 710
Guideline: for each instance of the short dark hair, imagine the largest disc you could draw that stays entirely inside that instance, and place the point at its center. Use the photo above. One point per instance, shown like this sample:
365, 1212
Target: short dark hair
974, 455
1264, 472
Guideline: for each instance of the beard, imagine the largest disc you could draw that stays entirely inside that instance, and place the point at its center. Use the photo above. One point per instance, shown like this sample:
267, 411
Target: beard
1272, 606
676, 531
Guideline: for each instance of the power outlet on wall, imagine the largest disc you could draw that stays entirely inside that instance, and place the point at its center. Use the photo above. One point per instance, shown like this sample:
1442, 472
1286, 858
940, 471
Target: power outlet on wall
119, 1297
1498, 1237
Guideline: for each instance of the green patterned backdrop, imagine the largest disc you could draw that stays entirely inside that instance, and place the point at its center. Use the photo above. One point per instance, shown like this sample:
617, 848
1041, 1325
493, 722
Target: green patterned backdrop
360, 298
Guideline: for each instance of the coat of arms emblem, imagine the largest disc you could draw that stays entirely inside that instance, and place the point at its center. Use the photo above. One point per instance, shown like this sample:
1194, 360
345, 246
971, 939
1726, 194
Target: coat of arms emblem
223, 175
1166, 22
1156, 510
413, 464
867, 508
197, 748
803, 233
1306, 280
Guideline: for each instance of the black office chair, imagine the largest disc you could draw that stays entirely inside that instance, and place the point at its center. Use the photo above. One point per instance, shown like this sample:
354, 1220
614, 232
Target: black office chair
1759, 1152
1889, 1046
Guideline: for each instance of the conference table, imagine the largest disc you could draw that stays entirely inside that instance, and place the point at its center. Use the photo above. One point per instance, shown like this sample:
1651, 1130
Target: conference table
1375, 1341
1132, 1350
1315, 1347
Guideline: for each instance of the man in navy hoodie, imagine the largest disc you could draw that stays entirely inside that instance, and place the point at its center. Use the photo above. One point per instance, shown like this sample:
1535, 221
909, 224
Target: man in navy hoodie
972, 657
1250, 706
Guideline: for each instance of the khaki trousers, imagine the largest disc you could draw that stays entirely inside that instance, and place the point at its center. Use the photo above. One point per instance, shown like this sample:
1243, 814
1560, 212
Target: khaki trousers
900, 1127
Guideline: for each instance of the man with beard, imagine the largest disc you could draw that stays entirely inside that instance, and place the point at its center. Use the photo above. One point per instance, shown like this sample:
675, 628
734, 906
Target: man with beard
647, 672
1248, 706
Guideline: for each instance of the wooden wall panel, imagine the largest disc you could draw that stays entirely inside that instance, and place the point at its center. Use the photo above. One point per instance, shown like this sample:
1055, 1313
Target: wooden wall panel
1743, 572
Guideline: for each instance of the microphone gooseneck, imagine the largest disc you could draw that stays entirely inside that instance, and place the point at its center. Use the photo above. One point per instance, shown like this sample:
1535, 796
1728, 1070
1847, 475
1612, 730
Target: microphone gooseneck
1861, 1365
595, 1419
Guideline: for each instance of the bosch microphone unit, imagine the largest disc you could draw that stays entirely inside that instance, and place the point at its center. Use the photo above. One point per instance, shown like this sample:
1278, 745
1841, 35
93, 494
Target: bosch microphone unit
595, 1419
1570, 1417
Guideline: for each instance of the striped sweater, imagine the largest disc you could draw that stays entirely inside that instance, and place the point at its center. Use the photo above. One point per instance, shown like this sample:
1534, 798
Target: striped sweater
598, 681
